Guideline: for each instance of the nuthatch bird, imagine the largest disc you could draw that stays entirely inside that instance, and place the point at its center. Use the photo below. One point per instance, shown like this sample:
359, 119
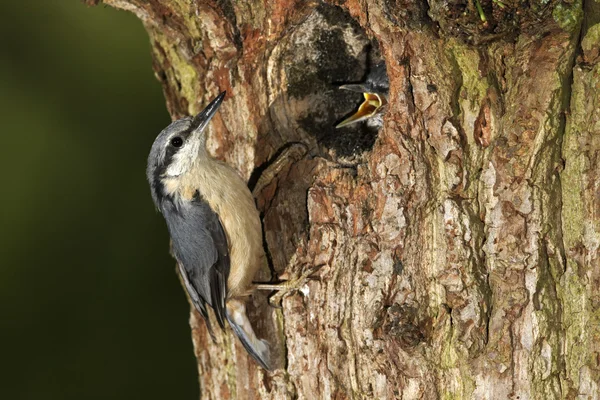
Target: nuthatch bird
215, 229
375, 90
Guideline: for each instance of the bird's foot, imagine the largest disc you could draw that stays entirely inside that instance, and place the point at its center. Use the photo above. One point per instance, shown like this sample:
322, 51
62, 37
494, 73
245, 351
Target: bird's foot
287, 287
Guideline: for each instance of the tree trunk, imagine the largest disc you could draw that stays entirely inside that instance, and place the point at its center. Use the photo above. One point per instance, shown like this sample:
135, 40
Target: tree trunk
460, 243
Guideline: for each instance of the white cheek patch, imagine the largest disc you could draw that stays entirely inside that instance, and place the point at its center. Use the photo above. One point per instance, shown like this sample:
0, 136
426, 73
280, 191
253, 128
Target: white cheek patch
184, 158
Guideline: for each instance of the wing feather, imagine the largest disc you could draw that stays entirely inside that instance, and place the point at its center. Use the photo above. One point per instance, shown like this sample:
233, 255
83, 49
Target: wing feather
200, 246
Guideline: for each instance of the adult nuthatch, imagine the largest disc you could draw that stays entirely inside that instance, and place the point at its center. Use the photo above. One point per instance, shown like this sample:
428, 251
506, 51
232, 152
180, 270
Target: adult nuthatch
214, 225
375, 90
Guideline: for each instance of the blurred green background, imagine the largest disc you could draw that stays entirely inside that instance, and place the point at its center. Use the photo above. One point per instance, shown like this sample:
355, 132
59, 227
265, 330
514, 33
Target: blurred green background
90, 304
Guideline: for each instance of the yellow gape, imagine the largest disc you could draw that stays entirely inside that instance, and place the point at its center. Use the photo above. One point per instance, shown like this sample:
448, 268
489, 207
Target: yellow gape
373, 102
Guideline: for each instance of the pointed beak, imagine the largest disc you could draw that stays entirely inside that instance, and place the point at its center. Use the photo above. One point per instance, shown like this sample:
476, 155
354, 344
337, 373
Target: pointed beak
354, 87
201, 120
373, 102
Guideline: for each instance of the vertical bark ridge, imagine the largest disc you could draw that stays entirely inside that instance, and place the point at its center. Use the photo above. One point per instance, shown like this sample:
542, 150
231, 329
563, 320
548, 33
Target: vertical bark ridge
580, 228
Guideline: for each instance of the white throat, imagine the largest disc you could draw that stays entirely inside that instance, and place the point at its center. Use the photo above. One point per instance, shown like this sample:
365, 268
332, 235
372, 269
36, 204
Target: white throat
184, 159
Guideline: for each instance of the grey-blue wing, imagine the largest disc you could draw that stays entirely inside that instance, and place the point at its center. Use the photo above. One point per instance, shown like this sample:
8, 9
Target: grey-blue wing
200, 247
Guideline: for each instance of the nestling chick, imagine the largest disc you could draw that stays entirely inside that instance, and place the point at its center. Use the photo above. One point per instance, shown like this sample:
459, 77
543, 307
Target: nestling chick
213, 222
375, 90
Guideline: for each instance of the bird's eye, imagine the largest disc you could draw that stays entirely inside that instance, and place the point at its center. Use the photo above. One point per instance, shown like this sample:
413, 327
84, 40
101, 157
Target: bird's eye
176, 141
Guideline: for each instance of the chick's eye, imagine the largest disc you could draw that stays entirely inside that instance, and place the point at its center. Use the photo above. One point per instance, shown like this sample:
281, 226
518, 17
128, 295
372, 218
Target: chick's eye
176, 141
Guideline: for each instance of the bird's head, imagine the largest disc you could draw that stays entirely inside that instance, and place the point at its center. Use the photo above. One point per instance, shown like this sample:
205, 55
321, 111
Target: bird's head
177, 148
375, 91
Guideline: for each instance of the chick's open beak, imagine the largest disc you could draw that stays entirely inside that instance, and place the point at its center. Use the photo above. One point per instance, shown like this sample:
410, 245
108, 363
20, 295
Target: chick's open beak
373, 102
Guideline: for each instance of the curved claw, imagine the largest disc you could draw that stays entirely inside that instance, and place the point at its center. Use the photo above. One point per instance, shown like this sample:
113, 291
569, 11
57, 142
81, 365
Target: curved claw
286, 288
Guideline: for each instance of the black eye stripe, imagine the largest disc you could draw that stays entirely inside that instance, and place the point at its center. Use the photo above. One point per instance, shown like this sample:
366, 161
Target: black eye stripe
171, 150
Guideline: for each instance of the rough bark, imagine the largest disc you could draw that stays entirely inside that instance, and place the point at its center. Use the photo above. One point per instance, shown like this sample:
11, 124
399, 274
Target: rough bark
460, 243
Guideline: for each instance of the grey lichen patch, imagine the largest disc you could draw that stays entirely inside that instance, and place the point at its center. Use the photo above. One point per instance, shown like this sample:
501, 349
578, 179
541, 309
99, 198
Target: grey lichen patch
474, 109
474, 85
580, 142
546, 317
591, 44
179, 77
492, 20
578, 319
581, 231
568, 15
186, 10
453, 374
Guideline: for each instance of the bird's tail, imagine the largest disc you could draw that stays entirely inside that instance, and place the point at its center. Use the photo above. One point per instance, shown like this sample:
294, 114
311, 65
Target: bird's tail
258, 349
